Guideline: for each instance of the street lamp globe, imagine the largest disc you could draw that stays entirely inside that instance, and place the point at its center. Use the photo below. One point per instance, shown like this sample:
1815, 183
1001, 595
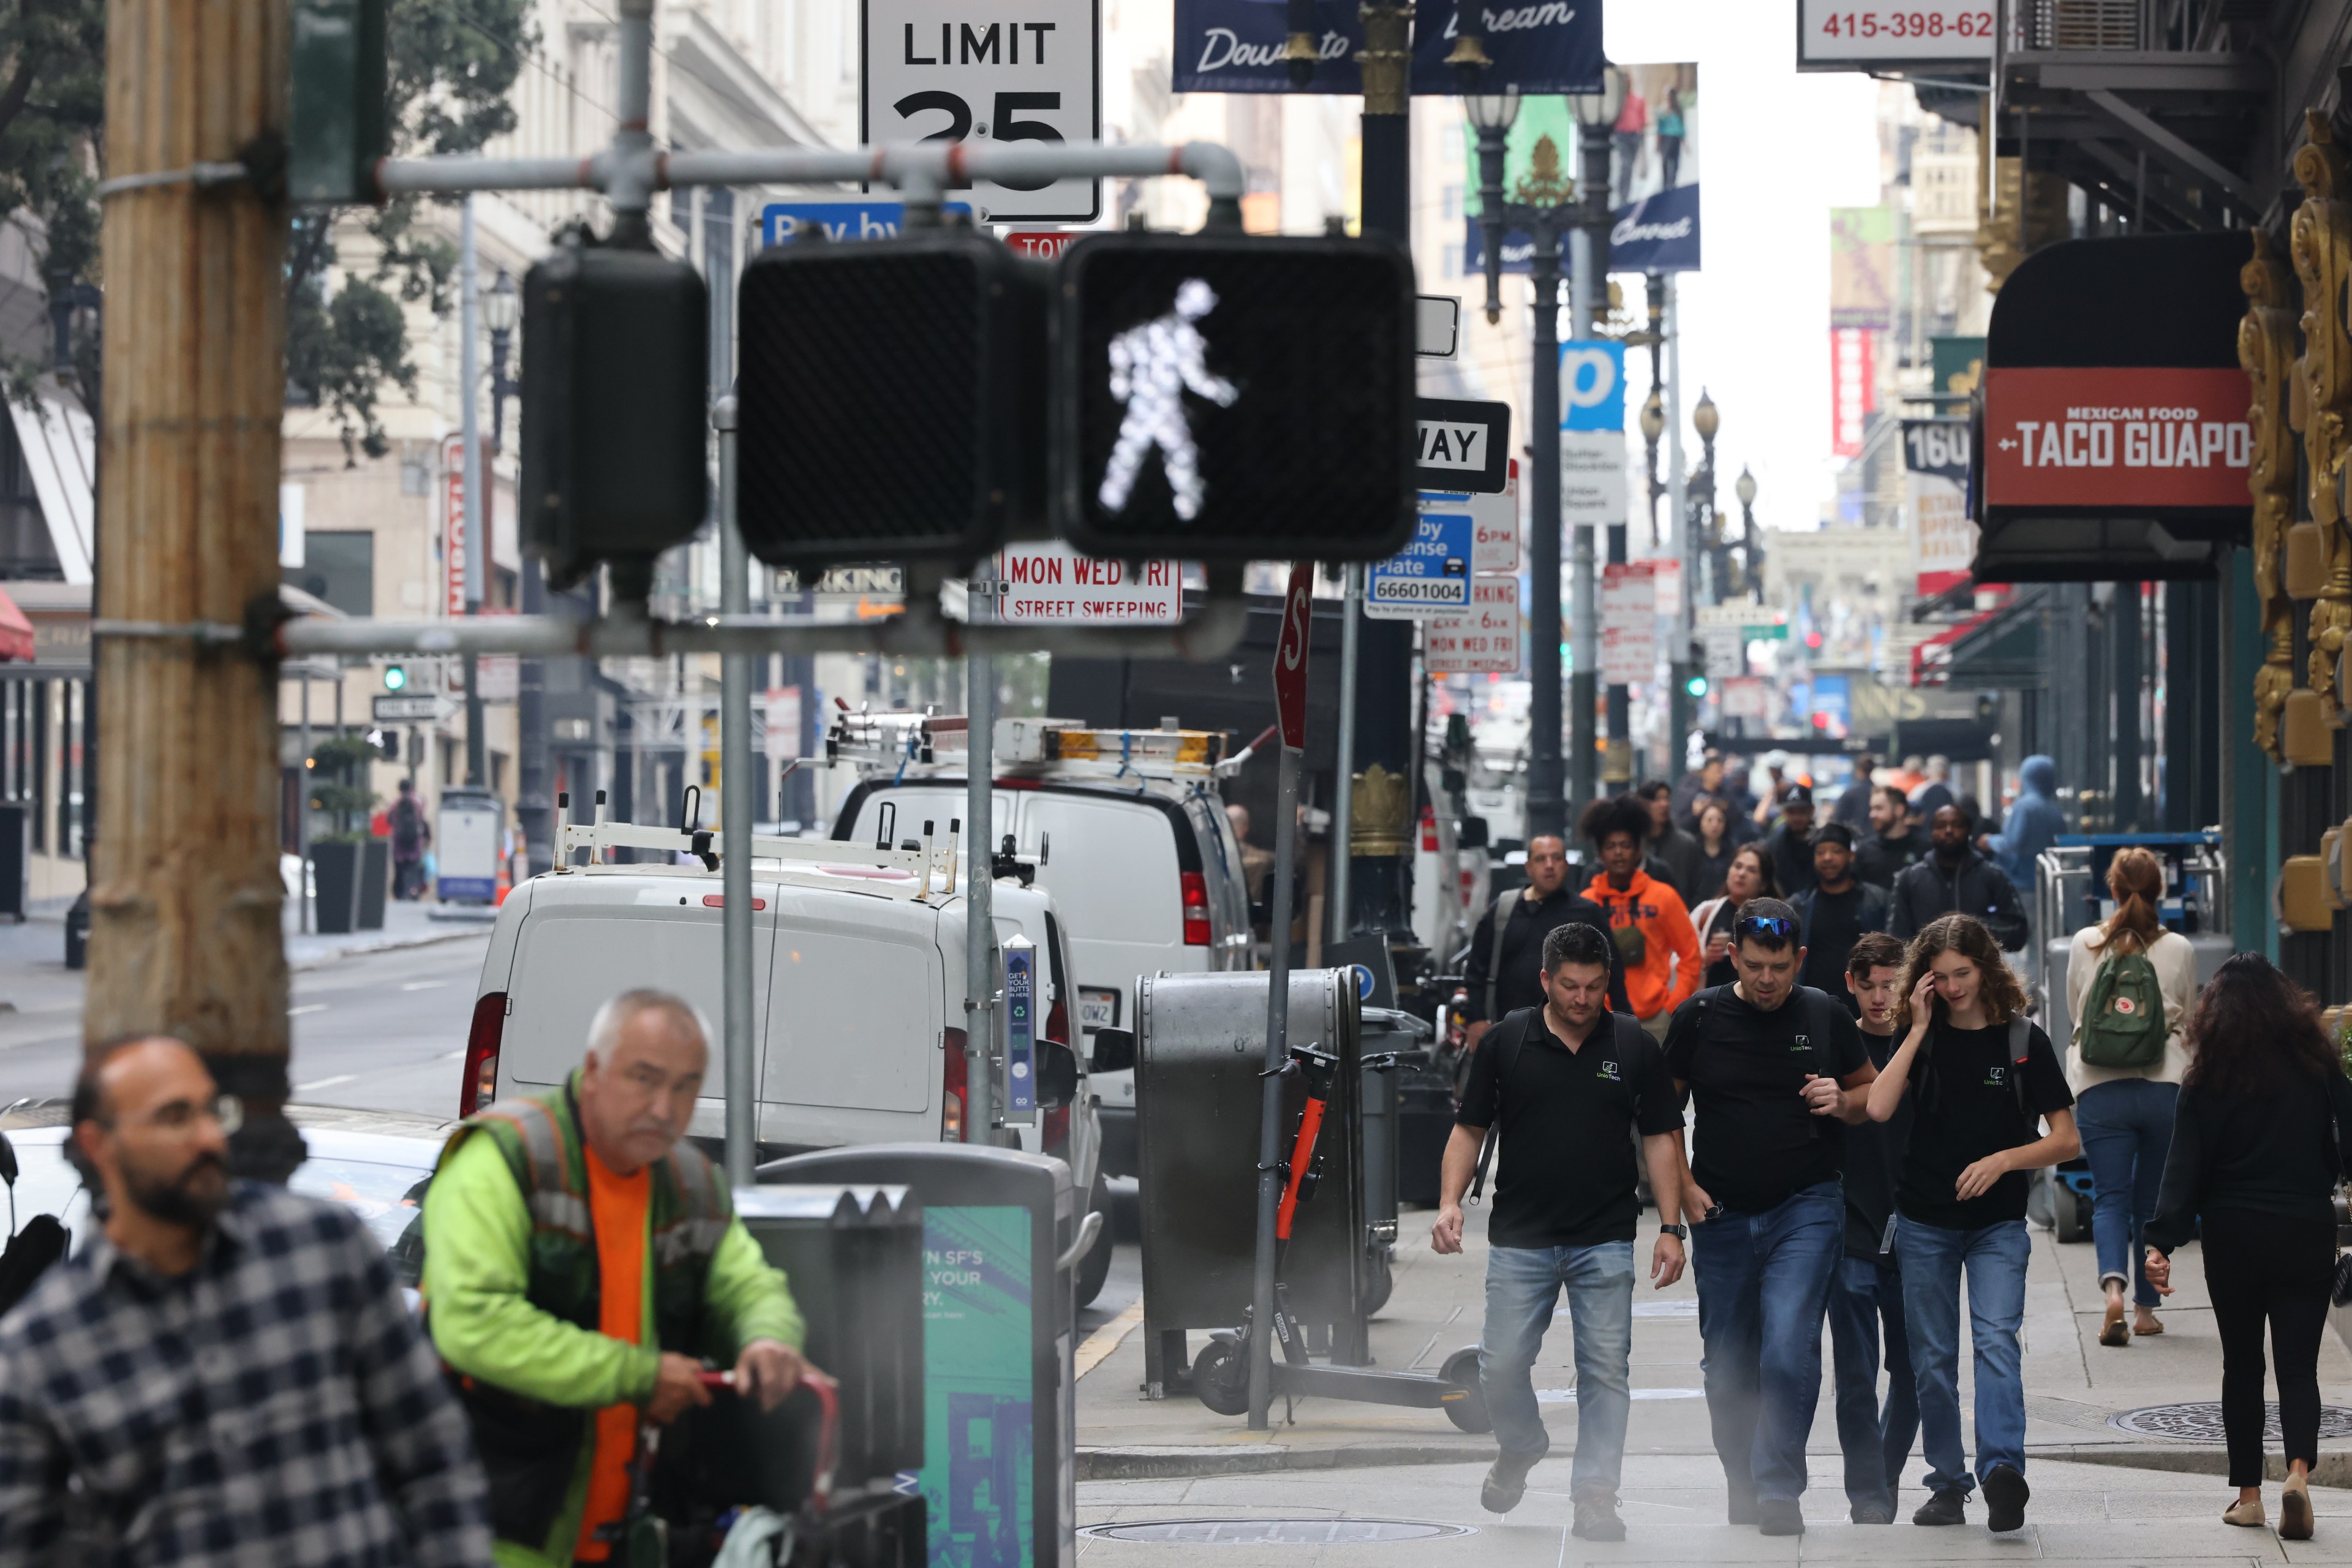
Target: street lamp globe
1654, 417
1704, 418
501, 306
1745, 486
1492, 110
1601, 108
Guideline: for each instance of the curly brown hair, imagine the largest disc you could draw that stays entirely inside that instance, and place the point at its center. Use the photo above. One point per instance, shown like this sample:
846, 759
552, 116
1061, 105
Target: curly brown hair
2002, 992
2253, 1032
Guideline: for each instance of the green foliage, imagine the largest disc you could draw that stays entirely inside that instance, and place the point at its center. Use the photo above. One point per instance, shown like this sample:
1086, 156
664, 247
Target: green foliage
340, 352
340, 787
52, 111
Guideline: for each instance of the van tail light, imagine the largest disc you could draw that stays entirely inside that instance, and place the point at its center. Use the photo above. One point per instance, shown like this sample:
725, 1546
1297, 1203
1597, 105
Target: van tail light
1196, 909
953, 1087
479, 1087
1056, 1122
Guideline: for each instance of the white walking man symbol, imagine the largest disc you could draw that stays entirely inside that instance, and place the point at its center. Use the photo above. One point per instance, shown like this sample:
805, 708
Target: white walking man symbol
1150, 366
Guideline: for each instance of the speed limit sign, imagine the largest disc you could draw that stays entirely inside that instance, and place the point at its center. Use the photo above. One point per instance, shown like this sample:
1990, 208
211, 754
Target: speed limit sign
941, 71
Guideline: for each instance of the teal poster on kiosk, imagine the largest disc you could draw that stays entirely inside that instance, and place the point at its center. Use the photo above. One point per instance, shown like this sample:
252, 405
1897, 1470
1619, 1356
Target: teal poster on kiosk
980, 1445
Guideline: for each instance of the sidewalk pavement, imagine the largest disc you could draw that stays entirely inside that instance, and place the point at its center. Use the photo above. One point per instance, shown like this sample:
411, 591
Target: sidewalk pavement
2073, 1388
34, 977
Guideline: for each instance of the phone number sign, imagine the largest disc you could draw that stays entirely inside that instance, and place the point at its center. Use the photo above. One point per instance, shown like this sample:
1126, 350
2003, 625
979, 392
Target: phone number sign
1430, 576
1844, 34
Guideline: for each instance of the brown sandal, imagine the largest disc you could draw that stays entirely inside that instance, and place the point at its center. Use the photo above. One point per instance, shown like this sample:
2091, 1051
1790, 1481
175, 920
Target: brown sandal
2114, 1330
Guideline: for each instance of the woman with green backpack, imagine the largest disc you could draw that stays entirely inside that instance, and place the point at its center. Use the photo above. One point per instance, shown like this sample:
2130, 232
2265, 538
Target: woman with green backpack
2129, 983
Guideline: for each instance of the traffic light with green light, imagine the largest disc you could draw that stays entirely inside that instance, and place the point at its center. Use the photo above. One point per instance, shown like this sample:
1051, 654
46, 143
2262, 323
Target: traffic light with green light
395, 678
1696, 686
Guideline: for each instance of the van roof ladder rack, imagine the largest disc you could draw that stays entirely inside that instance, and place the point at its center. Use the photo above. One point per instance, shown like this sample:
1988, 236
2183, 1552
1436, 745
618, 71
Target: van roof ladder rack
899, 743
912, 874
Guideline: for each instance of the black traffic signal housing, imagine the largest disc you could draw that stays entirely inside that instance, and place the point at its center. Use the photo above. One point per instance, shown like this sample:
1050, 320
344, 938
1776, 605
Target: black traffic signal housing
615, 428
890, 405
338, 126
1226, 397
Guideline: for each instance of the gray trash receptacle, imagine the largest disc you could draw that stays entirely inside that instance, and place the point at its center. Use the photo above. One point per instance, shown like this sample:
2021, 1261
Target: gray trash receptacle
1385, 1029
1200, 1046
1001, 1230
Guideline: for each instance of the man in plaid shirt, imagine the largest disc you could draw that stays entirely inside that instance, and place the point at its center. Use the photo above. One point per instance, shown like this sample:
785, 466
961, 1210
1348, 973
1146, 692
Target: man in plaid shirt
227, 1371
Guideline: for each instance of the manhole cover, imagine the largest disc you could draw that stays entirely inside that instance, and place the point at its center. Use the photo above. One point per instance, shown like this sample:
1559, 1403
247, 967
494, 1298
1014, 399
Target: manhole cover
2202, 1423
1275, 1531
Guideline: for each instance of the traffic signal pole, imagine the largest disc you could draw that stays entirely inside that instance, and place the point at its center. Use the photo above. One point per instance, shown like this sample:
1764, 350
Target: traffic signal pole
186, 899
740, 1075
469, 425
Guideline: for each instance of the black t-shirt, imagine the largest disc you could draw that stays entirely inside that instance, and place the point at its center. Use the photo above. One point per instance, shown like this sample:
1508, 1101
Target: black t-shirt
1970, 1113
1564, 1173
1755, 1141
1873, 1159
1831, 933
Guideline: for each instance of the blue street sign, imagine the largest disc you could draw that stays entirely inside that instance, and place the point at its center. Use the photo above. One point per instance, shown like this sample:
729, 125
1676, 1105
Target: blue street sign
1593, 385
1432, 574
842, 220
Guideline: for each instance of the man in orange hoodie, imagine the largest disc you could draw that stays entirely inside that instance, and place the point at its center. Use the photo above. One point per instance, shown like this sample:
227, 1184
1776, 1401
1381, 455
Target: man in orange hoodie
1647, 918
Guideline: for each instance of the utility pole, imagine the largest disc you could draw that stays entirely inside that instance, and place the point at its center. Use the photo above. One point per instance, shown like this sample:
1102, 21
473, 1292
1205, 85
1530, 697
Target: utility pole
469, 424
186, 901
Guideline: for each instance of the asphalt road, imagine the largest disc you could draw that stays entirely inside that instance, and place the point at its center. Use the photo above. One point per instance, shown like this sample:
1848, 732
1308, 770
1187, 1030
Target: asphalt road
379, 1031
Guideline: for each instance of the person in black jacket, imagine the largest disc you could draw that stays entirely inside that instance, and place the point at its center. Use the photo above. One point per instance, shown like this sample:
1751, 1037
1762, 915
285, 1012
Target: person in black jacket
1956, 881
1894, 843
1836, 910
1501, 983
1791, 843
2254, 1151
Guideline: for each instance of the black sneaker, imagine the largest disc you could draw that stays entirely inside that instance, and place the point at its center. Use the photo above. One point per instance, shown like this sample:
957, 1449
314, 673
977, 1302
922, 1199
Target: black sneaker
2005, 1497
1779, 1516
1741, 1510
1506, 1481
1596, 1520
1871, 1513
1943, 1508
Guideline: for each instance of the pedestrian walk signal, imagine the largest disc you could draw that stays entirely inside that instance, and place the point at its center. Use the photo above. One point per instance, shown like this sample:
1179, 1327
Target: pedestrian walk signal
1228, 397
891, 403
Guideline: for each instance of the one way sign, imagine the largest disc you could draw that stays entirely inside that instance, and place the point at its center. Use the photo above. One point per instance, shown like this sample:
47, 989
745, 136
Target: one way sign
1462, 445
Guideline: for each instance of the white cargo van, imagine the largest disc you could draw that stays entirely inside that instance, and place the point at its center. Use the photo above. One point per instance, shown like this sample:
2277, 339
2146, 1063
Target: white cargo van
1126, 830
859, 970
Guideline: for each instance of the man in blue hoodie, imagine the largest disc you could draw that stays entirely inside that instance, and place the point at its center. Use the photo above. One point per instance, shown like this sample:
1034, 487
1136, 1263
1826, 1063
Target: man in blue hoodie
2035, 821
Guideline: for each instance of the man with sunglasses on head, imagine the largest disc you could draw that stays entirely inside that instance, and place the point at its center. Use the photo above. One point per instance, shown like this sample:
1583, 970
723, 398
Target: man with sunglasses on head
1776, 1072
225, 1373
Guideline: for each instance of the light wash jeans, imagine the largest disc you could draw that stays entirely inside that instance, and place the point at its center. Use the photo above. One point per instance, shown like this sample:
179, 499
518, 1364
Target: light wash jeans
1522, 1285
2126, 1126
1763, 1288
1931, 1260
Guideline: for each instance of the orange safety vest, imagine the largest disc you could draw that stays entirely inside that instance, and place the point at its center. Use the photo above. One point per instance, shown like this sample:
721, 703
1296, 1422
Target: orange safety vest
616, 1206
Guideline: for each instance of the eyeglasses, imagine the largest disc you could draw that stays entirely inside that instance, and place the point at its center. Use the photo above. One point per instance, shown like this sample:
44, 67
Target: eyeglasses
1766, 925
180, 1115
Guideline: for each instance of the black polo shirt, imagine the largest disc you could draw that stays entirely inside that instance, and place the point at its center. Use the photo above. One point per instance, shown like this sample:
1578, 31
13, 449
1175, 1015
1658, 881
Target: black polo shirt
1755, 1142
1564, 1173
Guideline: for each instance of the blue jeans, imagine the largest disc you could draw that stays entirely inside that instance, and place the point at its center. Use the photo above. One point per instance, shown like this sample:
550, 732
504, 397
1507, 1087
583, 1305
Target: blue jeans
1876, 1444
2126, 1128
1763, 1284
1931, 1258
1522, 1284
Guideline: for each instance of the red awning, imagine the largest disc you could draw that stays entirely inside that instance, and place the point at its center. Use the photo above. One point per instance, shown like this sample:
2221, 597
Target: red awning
15, 632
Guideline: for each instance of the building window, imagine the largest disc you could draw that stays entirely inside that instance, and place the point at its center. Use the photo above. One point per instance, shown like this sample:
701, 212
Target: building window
339, 568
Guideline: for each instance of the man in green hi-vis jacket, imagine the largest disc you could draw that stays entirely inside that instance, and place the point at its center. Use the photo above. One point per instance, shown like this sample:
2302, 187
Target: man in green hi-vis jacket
579, 1262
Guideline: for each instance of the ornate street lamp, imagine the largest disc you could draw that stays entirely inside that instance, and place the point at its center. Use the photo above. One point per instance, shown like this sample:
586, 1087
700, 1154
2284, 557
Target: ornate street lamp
1751, 556
1701, 521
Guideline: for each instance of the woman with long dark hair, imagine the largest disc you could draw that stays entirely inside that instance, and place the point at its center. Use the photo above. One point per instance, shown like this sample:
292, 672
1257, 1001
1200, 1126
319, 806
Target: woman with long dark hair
1987, 1078
1749, 876
2254, 1151
1717, 844
2129, 984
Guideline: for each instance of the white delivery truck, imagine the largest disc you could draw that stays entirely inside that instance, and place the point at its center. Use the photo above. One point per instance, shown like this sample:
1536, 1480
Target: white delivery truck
1126, 830
858, 967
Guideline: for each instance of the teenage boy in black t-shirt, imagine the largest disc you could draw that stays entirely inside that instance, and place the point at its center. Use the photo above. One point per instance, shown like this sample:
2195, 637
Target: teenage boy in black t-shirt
1974, 1135
1563, 1083
1867, 1290
1777, 1070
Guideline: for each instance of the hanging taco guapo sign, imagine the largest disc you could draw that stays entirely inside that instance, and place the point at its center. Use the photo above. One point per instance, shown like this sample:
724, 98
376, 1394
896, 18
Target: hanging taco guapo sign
2153, 436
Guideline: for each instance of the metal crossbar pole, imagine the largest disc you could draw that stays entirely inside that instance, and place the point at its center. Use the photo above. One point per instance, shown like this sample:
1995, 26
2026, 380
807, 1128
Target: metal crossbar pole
735, 822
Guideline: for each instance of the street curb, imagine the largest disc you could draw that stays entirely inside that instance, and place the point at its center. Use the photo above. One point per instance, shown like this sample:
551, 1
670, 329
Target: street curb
396, 944
1137, 1464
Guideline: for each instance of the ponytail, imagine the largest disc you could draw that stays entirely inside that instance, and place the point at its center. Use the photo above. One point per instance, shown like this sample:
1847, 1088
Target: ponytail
2136, 882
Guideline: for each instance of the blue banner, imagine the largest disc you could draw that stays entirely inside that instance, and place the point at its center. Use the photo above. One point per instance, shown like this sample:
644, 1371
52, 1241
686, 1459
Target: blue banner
1656, 234
1235, 46
841, 220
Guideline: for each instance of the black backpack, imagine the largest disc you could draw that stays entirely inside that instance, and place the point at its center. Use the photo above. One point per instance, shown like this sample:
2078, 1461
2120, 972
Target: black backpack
1625, 1041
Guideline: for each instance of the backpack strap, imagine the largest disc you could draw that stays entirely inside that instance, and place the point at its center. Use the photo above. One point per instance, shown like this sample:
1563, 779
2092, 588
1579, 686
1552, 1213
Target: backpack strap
1817, 1003
1507, 1058
1495, 954
2021, 1046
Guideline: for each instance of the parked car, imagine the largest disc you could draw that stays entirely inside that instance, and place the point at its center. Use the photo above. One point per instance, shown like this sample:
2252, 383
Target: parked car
858, 969
1125, 830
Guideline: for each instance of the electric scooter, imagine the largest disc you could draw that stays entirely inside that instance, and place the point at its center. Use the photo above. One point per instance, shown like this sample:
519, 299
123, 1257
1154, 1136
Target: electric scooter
1221, 1376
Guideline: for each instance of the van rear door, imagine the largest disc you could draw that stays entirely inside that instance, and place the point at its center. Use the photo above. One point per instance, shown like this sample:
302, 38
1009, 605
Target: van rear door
854, 1015
1115, 869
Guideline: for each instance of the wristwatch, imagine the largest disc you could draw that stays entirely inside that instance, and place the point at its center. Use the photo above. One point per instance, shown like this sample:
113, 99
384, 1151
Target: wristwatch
1679, 1232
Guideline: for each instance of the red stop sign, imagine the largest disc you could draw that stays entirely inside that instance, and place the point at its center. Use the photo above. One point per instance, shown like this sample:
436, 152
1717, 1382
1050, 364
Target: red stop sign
1290, 657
